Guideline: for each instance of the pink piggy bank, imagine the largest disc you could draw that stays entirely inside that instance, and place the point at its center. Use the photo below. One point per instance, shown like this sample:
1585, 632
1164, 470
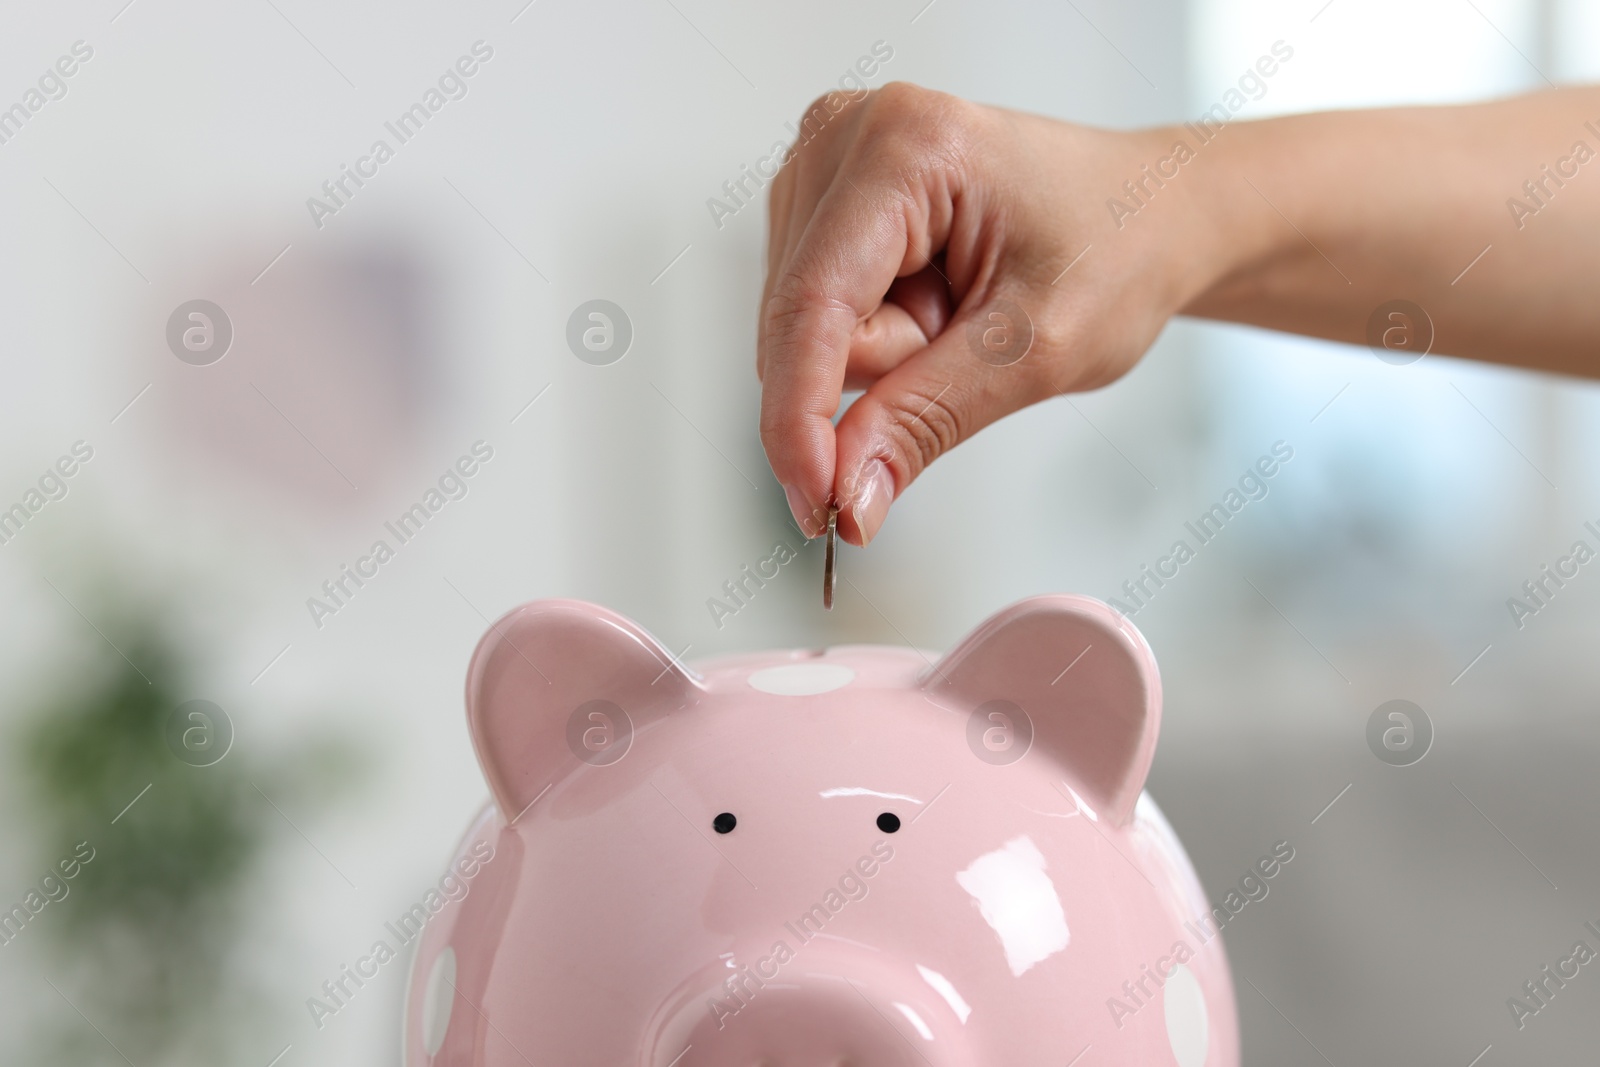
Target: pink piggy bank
858, 857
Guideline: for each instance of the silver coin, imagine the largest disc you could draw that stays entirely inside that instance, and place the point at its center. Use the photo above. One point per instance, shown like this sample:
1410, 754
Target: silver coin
830, 558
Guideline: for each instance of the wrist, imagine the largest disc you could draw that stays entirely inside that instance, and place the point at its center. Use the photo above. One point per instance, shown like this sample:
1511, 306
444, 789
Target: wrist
1224, 234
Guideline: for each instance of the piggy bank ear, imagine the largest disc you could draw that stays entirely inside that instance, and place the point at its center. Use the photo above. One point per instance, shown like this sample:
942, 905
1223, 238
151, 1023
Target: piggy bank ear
557, 684
1087, 685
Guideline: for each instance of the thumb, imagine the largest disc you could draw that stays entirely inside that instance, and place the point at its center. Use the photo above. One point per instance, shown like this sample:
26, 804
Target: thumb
981, 368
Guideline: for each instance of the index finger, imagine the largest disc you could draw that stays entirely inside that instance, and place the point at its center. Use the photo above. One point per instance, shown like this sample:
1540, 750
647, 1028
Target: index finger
851, 251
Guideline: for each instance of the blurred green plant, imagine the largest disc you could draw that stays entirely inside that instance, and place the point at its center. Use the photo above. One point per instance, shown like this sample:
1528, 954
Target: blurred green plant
144, 945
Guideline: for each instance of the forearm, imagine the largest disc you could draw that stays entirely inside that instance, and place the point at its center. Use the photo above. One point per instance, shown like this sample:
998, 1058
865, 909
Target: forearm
1319, 219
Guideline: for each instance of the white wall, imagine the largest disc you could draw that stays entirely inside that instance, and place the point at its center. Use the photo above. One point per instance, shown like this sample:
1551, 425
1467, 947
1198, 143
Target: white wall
410, 325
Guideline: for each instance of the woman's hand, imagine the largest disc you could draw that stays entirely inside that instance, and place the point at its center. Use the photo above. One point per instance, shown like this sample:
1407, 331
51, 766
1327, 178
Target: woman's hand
957, 262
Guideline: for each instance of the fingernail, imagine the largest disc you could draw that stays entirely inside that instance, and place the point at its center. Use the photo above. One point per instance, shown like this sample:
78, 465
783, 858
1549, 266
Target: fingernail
801, 510
871, 505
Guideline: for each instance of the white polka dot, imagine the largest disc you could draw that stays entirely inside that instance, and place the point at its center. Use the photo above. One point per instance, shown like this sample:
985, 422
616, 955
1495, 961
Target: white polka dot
438, 1000
1187, 1024
802, 679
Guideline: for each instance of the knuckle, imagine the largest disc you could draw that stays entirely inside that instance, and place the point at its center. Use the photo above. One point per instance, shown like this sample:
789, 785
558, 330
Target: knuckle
929, 424
783, 317
910, 118
784, 310
900, 99
796, 303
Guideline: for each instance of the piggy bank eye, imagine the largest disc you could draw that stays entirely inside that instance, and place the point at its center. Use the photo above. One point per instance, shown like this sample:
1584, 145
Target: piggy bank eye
888, 822
724, 823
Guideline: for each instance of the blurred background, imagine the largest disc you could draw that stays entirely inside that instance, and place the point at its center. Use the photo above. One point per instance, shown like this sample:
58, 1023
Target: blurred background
350, 355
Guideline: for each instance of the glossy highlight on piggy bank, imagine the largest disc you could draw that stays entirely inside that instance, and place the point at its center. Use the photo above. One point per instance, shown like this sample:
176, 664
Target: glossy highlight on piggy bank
861, 856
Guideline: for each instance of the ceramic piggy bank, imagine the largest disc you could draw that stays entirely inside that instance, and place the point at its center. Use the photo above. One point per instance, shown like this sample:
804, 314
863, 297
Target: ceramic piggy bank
861, 856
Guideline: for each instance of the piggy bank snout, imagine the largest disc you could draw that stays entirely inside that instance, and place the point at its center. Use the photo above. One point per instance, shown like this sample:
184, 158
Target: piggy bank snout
841, 1006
